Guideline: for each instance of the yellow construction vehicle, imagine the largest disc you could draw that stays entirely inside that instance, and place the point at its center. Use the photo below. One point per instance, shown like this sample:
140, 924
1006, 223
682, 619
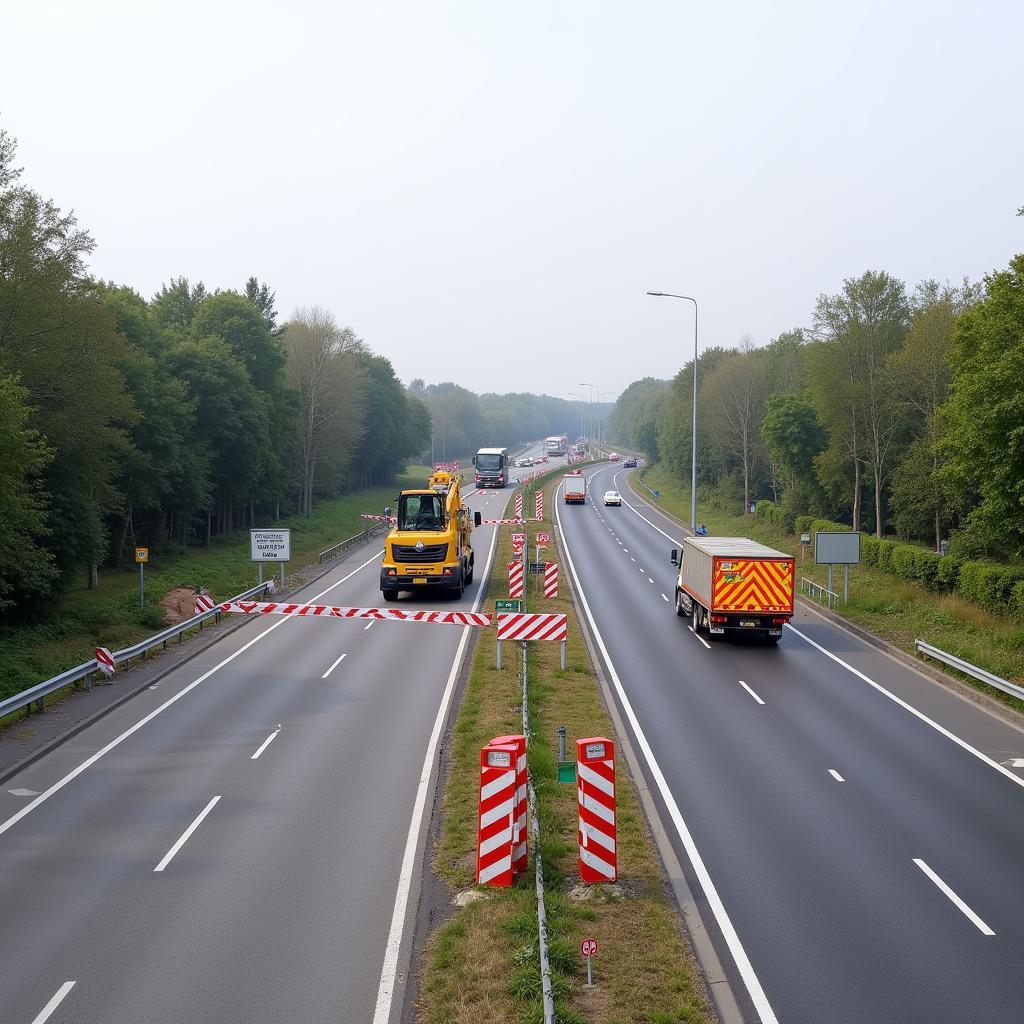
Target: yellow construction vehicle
429, 547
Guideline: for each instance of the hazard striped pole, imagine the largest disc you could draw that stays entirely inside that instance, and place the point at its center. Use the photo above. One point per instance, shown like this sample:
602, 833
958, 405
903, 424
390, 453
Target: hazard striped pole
497, 814
551, 579
538, 506
515, 579
595, 780
519, 833
519, 505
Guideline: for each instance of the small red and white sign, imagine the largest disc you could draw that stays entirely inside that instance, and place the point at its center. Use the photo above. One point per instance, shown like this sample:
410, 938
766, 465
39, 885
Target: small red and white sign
204, 603
105, 661
543, 538
588, 947
518, 539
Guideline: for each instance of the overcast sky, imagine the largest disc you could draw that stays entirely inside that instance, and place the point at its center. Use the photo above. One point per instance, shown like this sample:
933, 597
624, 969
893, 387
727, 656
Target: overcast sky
484, 191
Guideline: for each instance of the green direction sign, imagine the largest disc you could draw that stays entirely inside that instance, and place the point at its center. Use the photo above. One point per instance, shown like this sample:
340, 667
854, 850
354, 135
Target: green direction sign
508, 606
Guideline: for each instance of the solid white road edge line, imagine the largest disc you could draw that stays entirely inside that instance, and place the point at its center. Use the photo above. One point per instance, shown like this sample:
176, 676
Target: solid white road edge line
266, 743
835, 775
337, 662
183, 839
957, 902
695, 633
58, 997
90, 761
743, 965
751, 692
389, 970
644, 518
909, 707
368, 625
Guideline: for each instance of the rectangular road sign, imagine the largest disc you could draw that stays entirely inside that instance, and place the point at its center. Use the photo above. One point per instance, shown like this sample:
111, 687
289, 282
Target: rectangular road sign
508, 606
142, 554
271, 545
537, 568
837, 547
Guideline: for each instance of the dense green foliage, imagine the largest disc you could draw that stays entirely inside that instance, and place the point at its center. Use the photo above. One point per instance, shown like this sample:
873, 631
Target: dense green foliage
165, 422
897, 414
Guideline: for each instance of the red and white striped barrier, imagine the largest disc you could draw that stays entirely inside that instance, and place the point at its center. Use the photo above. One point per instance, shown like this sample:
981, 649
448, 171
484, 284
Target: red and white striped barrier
551, 579
496, 817
105, 661
526, 626
519, 833
334, 612
204, 603
378, 519
519, 505
448, 467
515, 582
502, 522
595, 781
538, 506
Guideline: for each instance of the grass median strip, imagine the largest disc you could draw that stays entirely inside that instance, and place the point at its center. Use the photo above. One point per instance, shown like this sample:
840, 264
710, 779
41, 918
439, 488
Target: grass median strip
483, 963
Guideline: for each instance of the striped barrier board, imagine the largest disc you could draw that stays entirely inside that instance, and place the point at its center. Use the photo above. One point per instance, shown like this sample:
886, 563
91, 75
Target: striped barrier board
519, 505
519, 832
502, 522
538, 506
105, 661
551, 579
595, 777
515, 582
526, 626
496, 817
327, 611
204, 603
378, 519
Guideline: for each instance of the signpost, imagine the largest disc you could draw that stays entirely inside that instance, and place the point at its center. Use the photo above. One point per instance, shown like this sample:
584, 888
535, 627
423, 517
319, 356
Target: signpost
588, 950
838, 547
142, 557
270, 546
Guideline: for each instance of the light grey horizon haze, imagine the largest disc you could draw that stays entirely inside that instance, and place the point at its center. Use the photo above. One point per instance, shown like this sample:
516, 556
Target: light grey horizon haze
484, 192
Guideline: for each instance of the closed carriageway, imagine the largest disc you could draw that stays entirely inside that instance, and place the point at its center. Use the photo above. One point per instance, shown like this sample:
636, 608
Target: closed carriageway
858, 857
233, 845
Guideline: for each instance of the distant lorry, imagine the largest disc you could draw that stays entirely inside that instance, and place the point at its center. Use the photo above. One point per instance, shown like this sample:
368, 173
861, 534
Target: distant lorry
557, 444
574, 488
491, 467
429, 547
734, 585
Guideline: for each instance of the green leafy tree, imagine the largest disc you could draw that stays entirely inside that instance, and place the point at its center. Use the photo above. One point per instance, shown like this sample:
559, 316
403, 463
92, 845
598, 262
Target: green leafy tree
794, 439
176, 303
984, 417
27, 569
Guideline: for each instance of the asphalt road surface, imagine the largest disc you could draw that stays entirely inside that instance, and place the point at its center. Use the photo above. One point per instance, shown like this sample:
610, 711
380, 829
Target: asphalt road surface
242, 842
856, 830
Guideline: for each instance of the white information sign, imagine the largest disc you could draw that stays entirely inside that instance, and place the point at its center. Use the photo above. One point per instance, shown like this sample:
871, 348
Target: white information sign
837, 547
271, 545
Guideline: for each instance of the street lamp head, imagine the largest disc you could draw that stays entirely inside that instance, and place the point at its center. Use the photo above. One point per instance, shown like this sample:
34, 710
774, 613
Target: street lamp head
655, 293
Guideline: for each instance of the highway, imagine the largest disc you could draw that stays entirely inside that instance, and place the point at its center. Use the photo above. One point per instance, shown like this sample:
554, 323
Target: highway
848, 826
242, 842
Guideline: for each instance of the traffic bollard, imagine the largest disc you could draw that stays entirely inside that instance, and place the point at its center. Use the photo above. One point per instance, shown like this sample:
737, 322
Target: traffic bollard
595, 782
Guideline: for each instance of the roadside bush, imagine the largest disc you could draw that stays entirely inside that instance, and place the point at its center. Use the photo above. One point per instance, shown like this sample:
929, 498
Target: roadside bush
1018, 599
777, 515
917, 564
803, 524
992, 586
948, 573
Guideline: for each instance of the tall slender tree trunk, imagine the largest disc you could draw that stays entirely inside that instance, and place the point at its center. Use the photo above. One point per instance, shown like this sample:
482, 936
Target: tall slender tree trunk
878, 500
209, 524
856, 493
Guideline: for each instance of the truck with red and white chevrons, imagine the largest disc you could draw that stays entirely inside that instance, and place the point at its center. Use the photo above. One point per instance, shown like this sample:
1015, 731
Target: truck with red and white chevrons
734, 585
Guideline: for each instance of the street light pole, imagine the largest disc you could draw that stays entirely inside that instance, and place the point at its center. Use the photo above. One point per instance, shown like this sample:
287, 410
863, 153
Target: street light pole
594, 417
583, 422
693, 452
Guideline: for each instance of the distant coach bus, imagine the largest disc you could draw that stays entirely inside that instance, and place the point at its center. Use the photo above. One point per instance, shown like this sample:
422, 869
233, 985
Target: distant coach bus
556, 445
491, 467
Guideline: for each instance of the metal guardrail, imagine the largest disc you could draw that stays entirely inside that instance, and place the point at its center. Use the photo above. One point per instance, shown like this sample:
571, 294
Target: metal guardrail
348, 543
818, 593
650, 490
41, 691
972, 670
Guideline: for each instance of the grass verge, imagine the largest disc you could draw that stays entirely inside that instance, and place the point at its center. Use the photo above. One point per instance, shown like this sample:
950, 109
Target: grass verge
896, 610
483, 963
110, 615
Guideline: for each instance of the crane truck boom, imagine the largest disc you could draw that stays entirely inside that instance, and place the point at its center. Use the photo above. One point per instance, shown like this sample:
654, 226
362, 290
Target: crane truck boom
429, 547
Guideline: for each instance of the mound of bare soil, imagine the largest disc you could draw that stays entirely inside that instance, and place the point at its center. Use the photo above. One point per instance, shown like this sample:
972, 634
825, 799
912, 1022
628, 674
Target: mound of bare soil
178, 604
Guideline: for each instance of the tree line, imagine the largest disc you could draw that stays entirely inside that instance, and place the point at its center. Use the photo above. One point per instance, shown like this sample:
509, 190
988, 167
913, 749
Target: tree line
899, 412
165, 421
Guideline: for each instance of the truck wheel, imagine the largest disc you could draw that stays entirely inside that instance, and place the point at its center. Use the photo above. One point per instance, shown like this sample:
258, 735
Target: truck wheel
460, 588
390, 595
680, 609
